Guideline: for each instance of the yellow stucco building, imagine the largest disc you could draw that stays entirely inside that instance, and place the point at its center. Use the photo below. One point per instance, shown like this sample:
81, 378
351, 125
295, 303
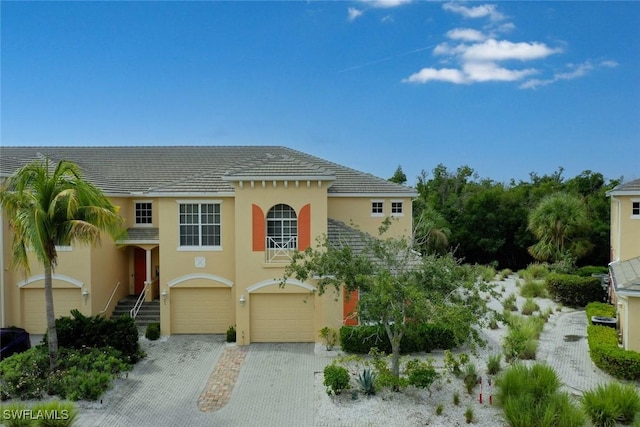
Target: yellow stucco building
625, 260
210, 230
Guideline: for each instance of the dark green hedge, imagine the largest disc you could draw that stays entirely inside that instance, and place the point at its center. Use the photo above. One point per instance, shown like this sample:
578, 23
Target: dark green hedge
603, 346
80, 331
575, 291
418, 338
589, 270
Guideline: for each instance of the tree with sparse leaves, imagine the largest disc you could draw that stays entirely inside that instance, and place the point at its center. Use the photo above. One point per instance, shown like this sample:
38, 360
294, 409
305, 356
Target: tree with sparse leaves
398, 286
51, 205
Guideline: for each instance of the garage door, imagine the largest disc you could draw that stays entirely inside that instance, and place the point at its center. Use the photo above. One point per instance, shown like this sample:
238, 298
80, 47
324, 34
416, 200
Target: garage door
34, 316
200, 310
282, 318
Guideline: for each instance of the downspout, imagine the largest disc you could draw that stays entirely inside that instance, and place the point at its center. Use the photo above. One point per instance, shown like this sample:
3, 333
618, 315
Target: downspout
619, 231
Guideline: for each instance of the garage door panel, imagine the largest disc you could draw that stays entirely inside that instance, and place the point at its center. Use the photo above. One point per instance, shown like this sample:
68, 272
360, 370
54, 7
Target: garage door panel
282, 318
34, 318
200, 310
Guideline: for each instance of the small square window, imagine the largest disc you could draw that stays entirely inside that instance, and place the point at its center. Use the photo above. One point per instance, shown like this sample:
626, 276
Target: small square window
396, 208
143, 213
376, 208
635, 208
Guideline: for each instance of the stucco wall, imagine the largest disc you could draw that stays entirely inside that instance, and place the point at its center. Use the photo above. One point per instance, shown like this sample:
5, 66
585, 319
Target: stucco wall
357, 210
625, 229
176, 263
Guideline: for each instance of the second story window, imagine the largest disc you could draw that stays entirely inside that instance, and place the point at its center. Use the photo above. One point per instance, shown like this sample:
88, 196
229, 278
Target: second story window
282, 228
199, 224
143, 213
635, 208
397, 208
377, 208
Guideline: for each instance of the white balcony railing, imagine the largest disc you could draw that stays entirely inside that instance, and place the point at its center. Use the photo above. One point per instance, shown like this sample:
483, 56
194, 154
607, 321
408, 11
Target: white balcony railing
280, 249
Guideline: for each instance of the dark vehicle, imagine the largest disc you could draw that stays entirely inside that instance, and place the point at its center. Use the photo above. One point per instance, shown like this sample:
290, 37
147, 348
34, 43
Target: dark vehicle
12, 341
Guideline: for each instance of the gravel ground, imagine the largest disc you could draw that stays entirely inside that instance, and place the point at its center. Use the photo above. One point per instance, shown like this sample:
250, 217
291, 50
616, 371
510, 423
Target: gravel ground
416, 407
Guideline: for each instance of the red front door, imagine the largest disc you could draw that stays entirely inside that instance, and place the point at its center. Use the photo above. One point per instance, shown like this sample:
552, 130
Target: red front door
139, 270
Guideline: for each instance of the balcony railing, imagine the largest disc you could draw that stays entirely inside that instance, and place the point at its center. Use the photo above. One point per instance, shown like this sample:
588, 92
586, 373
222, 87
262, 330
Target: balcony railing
280, 249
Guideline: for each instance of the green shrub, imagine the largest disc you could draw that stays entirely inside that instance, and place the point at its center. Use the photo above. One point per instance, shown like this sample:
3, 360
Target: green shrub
385, 378
81, 374
486, 272
330, 337
505, 273
80, 331
534, 271
521, 341
153, 331
470, 377
456, 398
469, 416
575, 291
231, 334
590, 270
530, 396
529, 307
421, 374
533, 289
421, 337
493, 364
439, 409
607, 405
454, 364
606, 355
509, 303
600, 309
336, 379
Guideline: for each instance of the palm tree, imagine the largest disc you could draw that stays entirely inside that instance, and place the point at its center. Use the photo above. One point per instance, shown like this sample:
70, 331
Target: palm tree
52, 205
559, 222
432, 231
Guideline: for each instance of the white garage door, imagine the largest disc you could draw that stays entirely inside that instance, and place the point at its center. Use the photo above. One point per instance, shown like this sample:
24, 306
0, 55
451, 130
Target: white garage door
200, 310
34, 318
282, 318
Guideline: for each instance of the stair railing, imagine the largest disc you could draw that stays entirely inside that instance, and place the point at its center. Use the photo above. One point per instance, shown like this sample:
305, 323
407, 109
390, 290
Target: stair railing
134, 311
110, 298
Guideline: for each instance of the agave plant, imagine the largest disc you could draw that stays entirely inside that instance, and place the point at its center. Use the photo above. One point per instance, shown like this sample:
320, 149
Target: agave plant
366, 380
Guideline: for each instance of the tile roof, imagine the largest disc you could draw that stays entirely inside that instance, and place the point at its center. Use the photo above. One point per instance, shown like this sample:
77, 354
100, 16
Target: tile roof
197, 169
142, 234
631, 187
340, 235
626, 275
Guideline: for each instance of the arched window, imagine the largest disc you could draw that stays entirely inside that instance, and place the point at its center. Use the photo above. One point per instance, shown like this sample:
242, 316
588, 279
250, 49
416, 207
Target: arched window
282, 228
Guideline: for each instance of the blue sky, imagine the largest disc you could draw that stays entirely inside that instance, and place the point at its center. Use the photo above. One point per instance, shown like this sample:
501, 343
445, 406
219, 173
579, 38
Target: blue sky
507, 88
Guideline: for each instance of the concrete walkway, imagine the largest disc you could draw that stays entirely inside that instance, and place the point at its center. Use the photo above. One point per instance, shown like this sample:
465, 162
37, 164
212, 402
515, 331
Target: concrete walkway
563, 345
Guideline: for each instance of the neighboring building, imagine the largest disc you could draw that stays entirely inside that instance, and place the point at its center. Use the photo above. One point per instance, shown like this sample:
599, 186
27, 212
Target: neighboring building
210, 230
625, 256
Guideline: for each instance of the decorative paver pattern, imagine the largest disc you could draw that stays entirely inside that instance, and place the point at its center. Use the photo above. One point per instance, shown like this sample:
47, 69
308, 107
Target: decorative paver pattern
217, 392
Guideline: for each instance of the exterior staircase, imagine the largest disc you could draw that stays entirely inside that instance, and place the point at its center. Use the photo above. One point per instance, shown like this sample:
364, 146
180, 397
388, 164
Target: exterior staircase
149, 311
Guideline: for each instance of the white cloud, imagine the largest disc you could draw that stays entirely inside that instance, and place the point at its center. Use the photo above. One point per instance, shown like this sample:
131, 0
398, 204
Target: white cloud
386, 4
490, 71
494, 50
387, 18
354, 13
466, 34
574, 72
485, 10
444, 74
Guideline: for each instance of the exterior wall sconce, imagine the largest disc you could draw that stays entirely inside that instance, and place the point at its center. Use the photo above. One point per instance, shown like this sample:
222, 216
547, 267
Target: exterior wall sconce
85, 296
242, 299
164, 296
